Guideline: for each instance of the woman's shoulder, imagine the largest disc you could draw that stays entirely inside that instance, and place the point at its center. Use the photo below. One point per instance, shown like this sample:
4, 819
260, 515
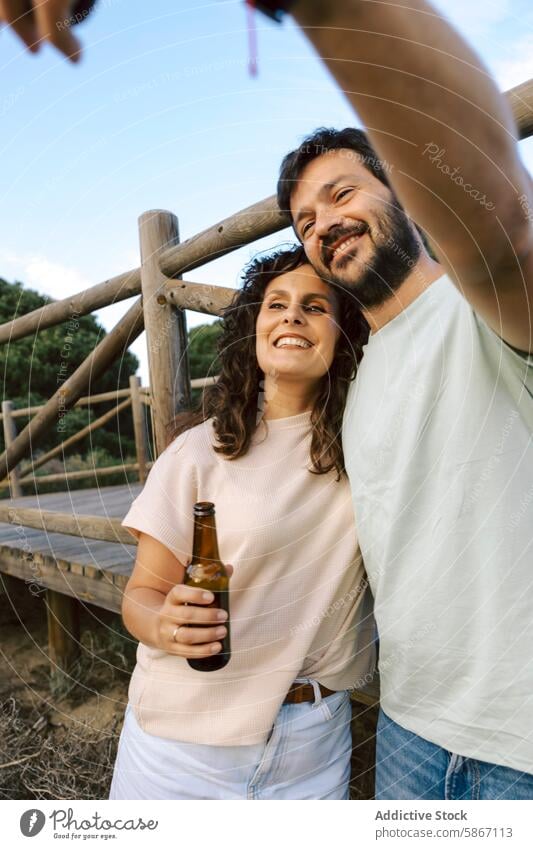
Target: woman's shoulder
195, 442
189, 452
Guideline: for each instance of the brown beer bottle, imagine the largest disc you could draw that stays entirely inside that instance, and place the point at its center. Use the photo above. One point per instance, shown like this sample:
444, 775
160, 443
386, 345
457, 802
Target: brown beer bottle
207, 572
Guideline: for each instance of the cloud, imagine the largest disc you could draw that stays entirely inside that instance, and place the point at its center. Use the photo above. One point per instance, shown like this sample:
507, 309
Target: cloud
54, 278
47, 276
473, 19
518, 67
58, 280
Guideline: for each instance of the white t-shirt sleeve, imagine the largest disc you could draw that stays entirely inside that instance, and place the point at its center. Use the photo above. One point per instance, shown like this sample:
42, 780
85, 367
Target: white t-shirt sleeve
520, 362
164, 508
525, 364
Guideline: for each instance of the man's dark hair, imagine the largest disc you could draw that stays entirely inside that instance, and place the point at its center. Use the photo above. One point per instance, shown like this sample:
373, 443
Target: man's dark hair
320, 142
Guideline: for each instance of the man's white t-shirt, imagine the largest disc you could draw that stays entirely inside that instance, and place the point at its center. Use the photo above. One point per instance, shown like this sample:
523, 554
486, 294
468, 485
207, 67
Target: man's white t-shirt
438, 445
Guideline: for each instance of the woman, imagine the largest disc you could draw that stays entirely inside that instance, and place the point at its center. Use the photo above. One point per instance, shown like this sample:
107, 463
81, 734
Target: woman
265, 447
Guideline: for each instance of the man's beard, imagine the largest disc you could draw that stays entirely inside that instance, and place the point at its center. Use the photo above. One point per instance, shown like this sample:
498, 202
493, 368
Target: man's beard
396, 252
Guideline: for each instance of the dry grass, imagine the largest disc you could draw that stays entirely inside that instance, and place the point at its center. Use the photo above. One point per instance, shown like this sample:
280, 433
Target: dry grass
59, 742
40, 761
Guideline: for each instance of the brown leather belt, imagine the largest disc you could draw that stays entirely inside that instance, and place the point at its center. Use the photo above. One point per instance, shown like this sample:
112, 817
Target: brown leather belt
304, 693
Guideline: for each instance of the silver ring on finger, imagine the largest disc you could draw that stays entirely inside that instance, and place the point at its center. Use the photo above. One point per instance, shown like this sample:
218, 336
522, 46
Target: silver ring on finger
174, 633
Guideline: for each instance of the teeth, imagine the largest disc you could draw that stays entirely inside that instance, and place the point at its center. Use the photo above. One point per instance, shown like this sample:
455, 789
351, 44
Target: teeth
291, 340
344, 245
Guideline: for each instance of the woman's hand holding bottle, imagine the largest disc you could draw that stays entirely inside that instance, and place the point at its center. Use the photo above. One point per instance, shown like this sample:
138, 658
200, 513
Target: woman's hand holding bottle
161, 611
186, 626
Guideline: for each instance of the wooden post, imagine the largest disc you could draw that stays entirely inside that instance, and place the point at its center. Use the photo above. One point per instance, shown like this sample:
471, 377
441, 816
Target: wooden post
199, 296
63, 617
140, 427
166, 329
10, 434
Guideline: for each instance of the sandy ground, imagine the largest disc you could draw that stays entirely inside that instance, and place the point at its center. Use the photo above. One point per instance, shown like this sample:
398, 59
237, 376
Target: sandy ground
98, 689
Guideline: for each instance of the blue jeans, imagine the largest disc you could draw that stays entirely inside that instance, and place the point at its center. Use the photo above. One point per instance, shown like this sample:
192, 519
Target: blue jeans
307, 756
409, 767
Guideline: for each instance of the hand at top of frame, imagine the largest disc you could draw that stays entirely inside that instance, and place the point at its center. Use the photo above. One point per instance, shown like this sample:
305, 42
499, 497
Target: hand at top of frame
37, 21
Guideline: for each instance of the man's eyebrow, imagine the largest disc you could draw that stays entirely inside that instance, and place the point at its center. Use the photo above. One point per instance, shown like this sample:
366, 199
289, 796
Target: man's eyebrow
300, 215
309, 297
323, 191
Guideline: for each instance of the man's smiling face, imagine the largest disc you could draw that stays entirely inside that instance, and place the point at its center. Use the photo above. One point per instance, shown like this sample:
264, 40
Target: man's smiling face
352, 227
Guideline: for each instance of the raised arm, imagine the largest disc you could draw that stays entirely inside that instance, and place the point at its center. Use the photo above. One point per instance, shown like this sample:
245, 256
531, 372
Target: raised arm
434, 114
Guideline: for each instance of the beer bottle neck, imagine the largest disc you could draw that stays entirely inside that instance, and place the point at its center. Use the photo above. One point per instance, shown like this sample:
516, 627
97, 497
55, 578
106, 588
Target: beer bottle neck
205, 544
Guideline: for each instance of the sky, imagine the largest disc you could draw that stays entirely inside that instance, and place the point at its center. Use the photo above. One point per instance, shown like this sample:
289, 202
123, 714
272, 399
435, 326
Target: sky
163, 113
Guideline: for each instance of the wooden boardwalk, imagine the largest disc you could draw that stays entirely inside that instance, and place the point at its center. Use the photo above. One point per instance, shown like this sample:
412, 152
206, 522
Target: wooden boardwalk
86, 569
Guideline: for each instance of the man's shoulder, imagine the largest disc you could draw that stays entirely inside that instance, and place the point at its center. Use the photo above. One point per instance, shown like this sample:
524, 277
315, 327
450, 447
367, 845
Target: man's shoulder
500, 349
475, 331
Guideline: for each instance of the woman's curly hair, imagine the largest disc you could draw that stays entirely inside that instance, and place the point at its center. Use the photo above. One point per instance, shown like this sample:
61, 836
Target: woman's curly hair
232, 402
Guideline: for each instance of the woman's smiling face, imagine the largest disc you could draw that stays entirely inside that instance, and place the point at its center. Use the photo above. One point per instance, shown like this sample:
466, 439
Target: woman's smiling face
297, 327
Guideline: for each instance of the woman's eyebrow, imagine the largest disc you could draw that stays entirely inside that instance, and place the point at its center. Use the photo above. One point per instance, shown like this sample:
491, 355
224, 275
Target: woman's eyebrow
314, 295
308, 297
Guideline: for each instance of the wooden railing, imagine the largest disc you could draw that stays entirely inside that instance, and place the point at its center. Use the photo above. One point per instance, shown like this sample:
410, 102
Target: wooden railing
160, 313
136, 396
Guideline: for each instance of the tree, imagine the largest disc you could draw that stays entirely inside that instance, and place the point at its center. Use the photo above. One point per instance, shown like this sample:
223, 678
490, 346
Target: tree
203, 349
33, 368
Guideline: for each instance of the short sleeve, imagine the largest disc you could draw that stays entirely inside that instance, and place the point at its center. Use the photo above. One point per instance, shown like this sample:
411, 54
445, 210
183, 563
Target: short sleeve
524, 364
520, 362
164, 507
525, 361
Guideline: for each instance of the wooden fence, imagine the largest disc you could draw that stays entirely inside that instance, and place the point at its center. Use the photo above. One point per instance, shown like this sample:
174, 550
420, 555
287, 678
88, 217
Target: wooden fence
160, 313
135, 397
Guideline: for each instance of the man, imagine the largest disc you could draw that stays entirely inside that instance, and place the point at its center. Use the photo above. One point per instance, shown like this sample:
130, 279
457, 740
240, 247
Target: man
437, 432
